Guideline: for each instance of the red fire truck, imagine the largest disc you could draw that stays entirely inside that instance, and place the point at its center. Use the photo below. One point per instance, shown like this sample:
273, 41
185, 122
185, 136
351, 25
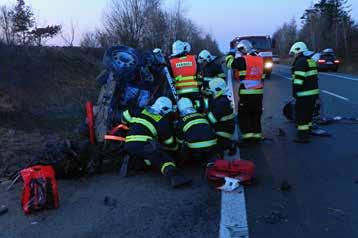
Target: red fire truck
264, 45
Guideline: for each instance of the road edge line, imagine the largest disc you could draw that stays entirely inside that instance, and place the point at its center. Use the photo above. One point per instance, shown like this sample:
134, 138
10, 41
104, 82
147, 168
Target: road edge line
233, 213
335, 95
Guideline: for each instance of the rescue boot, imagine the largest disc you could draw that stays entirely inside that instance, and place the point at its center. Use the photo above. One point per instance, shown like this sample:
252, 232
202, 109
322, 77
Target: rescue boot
176, 179
302, 137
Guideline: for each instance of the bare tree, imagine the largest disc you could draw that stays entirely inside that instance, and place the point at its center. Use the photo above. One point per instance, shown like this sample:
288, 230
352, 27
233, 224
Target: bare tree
146, 25
5, 25
69, 38
89, 40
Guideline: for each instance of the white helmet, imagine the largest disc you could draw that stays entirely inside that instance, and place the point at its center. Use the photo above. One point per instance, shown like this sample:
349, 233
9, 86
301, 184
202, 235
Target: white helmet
245, 47
162, 106
297, 48
205, 55
157, 51
185, 106
217, 85
179, 47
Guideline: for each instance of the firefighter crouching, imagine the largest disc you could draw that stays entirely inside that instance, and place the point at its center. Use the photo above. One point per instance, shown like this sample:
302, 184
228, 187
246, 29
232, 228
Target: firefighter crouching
185, 73
221, 115
195, 133
248, 71
305, 89
149, 132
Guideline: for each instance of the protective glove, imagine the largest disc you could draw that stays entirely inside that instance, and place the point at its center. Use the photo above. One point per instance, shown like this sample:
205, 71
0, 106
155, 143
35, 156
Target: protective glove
229, 59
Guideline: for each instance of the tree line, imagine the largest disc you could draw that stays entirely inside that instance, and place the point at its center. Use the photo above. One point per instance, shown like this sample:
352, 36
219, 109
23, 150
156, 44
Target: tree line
18, 26
326, 24
146, 24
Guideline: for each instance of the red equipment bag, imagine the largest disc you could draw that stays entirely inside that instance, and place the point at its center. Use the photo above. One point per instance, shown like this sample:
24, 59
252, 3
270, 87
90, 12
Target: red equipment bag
90, 122
40, 189
243, 170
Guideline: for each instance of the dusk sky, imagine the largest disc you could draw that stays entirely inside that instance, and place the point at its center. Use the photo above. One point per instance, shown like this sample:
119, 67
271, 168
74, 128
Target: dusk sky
224, 19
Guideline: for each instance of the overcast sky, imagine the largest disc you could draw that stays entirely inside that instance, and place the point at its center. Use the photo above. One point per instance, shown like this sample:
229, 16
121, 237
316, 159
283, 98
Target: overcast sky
224, 19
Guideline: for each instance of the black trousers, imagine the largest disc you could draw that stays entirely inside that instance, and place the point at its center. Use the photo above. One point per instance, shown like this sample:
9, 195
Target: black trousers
304, 109
250, 111
149, 151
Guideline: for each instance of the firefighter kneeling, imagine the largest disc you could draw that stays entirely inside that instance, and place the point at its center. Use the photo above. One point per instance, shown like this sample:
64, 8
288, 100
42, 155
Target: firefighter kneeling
221, 115
195, 133
149, 129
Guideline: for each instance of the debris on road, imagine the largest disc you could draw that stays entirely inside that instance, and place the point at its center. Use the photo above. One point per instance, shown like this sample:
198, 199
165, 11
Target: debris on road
110, 202
275, 217
3, 210
281, 132
230, 184
337, 211
285, 186
320, 132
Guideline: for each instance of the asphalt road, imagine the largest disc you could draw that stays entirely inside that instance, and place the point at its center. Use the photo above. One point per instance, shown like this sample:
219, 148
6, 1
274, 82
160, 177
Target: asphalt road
142, 205
322, 201
323, 175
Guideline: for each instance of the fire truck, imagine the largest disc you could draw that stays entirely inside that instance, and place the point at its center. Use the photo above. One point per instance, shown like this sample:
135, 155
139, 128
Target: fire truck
264, 45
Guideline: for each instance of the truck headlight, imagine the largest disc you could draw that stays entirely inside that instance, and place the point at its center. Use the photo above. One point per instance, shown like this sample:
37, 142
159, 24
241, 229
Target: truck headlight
268, 65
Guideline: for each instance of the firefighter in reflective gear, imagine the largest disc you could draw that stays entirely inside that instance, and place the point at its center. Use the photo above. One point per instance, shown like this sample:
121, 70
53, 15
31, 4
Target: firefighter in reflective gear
210, 67
305, 89
184, 70
195, 133
221, 115
149, 133
249, 72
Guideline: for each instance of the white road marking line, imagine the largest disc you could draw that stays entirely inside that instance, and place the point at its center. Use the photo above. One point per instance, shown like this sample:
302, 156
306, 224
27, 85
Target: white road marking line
324, 91
283, 76
335, 95
329, 74
339, 76
233, 217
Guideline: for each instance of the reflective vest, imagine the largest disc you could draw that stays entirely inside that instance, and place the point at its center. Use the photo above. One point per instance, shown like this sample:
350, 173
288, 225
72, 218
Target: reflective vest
185, 74
305, 83
253, 75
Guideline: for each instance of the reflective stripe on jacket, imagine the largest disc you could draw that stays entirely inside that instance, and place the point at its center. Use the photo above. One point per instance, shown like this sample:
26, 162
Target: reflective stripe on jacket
305, 77
252, 83
184, 71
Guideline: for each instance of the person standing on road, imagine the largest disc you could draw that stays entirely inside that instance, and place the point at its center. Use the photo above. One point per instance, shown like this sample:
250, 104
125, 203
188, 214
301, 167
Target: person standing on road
249, 72
184, 70
305, 89
149, 132
221, 115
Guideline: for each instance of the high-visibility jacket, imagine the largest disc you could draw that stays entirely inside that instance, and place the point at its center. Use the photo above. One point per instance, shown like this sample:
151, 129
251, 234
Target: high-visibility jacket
251, 77
195, 132
221, 116
304, 77
184, 70
145, 126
